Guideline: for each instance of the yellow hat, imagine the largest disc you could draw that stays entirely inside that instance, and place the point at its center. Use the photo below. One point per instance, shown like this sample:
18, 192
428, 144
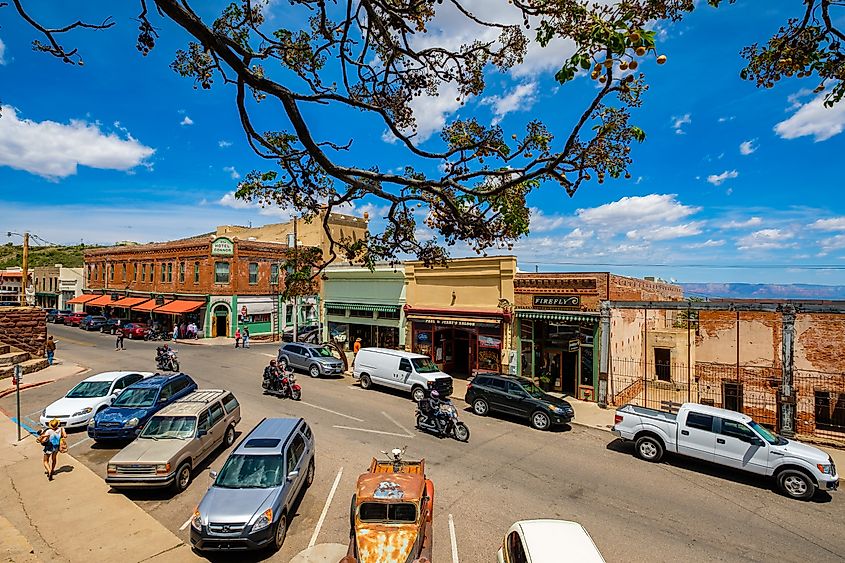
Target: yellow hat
54, 423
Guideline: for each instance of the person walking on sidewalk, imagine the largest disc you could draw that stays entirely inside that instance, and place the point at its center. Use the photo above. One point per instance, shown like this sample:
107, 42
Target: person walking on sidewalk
357, 346
238, 338
51, 350
118, 344
175, 332
246, 337
54, 440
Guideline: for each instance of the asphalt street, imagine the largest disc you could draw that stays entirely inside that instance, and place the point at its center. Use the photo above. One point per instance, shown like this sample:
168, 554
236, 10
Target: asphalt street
634, 511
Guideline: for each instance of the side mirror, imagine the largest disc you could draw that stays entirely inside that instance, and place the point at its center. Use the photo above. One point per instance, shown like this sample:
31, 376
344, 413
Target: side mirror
201, 432
293, 475
212, 474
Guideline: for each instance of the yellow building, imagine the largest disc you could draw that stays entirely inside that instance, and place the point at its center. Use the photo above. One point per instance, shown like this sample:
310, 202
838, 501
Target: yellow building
461, 315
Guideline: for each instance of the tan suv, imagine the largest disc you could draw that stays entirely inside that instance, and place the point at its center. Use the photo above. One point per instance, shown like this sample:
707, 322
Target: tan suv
176, 440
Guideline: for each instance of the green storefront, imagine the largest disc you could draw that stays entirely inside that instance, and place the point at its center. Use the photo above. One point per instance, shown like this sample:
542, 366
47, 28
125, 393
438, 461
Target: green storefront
262, 314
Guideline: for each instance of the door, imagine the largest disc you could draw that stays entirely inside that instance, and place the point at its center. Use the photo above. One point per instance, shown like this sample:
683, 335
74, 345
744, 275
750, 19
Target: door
517, 400
300, 357
697, 437
206, 442
217, 427
734, 447
402, 375
497, 395
293, 462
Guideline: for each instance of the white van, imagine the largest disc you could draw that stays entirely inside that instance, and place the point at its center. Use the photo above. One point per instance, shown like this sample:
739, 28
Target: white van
401, 370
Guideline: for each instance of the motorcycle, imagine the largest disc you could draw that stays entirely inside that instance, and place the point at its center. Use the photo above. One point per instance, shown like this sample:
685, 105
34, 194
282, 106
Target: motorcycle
283, 387
167, 361
154, 334
446, 423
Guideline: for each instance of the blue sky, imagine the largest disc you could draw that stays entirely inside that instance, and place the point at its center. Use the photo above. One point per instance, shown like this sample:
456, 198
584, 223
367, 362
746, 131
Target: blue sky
732, 183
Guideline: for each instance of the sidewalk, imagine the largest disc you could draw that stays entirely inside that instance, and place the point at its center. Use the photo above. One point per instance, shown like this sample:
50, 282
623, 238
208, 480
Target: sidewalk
58, 370
74, 518
218, 341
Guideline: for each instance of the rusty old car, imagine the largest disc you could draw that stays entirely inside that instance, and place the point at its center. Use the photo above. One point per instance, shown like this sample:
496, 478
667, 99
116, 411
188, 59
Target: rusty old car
391, 513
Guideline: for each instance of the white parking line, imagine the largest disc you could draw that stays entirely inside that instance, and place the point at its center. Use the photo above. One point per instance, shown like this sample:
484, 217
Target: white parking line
187, 523
79, 442
325, 509
391, 419
454, 540
374, 431
331, 411
32, 413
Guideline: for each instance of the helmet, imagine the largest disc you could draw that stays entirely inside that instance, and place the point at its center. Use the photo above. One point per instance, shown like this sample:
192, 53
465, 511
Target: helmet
435, 394
272, 362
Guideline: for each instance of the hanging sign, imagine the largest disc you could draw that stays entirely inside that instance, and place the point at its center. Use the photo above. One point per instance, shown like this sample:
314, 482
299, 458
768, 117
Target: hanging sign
222, 246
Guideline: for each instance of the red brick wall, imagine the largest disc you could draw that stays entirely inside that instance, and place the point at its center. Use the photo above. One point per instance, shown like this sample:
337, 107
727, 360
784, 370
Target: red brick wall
24, 328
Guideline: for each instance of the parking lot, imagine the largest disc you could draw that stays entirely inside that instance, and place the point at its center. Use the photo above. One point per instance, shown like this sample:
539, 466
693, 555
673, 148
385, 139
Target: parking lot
507, 471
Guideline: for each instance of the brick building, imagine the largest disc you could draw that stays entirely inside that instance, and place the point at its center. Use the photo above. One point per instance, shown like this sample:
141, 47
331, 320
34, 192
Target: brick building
46, 282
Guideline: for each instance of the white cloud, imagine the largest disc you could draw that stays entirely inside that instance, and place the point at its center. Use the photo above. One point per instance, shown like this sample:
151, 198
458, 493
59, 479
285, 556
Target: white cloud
224, 144
187, 121
229, 200
766, 239
574, 239
709, 243
747, 147
541, 223
55, 150
719, 179
836, 242
795, 100
232, 172
813, 119
430, 113
520, 98
666, 233
2, 52
750, 222
637, 211
725, 119
679, 122
834, 224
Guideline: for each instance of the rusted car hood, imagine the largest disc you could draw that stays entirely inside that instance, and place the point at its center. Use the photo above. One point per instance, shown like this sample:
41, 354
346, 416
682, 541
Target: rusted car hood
385, 544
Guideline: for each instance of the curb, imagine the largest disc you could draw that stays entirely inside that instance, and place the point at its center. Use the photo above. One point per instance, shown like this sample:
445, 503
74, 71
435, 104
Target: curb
7, 392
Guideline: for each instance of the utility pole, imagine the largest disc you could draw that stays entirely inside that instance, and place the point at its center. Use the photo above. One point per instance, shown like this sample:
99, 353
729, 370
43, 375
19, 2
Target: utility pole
296, 293
25, 268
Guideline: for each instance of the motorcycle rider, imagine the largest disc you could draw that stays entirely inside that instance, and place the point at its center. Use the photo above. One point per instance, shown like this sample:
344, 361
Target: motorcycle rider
161, 355
272, 375
430, 407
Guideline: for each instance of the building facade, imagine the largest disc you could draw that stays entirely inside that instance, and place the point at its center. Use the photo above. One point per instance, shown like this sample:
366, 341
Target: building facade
46, 282
71, 285
10, 286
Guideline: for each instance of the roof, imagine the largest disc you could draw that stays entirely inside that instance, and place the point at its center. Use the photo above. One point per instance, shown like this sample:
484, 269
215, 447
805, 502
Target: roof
156, 380
79, 299
546, 540
272, 428
390, 486
715, 411
397, 353
112, 375
129, 301
100, 301
180, 306
147, 306
193, 403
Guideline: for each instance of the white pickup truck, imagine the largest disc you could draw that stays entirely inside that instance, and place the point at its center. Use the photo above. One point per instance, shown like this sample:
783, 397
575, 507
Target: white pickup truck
727, 438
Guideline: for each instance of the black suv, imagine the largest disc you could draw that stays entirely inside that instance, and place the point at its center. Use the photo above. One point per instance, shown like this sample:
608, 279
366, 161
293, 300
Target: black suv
519, 396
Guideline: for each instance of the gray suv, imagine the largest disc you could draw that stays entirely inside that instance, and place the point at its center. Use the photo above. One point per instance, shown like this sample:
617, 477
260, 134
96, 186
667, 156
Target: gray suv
317, 360
248, 505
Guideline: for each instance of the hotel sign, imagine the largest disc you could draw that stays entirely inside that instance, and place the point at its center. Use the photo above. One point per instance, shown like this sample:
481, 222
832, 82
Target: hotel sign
557, 301
222, 246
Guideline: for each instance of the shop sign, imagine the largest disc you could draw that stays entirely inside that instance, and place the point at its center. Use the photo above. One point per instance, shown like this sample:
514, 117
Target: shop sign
222, 246
115, 296
489, 341
160, 300
573, 345
557, 301
423, 337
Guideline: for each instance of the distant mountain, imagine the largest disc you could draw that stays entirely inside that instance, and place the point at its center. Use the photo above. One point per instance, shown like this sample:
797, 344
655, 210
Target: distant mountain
763, 291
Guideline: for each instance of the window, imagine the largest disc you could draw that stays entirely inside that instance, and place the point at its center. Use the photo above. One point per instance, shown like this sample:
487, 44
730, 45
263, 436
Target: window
230, 403
203, 422
662, 364
516, 553
361, 314
294, 452
216, 412
124, 272
830, 411
221, 272
181, 272
89, 274
515, 390
393, 314
274, 274
163, 272
166, 392
170, 272
498, 385
111, 272
179, 385
384, 512
196, 272
128, 380
306, 430
253, 273
737, 430
135, 271
143, 272
404, 365
700, 421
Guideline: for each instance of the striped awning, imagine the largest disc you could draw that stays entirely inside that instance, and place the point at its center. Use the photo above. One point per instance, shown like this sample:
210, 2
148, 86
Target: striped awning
557, 316
363, 307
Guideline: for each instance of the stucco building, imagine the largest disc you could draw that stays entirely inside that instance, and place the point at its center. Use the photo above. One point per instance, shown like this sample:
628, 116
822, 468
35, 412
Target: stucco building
46, 282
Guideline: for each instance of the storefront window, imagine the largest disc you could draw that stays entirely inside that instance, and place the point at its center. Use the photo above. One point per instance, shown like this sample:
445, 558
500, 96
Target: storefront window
587, 365
221, 272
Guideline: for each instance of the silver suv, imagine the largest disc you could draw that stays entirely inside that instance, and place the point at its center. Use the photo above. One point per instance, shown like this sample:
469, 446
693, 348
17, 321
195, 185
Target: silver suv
176, 440
317, 360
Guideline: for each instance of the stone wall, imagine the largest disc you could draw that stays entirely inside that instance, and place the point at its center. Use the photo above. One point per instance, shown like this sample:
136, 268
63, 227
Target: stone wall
24, 328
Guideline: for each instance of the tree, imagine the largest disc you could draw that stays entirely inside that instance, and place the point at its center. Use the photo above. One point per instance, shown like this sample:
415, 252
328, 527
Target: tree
369, 56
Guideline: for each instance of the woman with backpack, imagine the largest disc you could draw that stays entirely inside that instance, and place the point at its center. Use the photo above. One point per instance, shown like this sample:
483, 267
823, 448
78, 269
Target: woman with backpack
54, 440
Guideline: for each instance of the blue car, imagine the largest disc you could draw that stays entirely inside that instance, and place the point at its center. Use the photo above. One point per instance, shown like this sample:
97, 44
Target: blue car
131, 410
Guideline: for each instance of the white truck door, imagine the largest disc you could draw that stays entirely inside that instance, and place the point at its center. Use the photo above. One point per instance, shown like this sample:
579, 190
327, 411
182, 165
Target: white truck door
696, 437
738, 446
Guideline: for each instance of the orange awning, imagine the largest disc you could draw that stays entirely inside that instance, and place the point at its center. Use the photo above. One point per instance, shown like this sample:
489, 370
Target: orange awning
180, 306
100, 301
127, 302
80, 299
146, 306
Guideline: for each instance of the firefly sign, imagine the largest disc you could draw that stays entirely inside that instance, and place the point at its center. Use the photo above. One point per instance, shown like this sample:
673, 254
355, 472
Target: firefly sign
557, 301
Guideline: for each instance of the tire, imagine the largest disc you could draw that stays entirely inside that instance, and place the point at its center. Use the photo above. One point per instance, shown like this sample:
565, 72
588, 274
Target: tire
419, 419
461, 432
296, 394
229, 437
417, 393
649, 448
480, 407
366, 382
309, 474
796, 484
540, 420
314, 371
175, 366
183, 477
280, 532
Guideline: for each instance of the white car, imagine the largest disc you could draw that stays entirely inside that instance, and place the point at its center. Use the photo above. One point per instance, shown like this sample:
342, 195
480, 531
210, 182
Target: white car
548, 541
89, 397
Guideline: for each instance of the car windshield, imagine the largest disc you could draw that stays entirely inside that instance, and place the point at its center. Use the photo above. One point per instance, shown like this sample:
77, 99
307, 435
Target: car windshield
321, 352
767, 434
532, 389
251, 472
140, 397
88, 389
424, 365
383, 512
170, 427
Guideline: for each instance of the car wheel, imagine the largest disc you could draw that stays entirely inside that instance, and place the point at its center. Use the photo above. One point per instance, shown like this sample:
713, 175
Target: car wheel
480, 407
366, 382
314, 370
796, 484
281, 532
418, 394
649, 448
540, 420
229, 438
309, 475
183, 477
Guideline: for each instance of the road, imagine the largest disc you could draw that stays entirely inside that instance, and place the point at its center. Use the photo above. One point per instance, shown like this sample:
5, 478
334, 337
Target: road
507, 472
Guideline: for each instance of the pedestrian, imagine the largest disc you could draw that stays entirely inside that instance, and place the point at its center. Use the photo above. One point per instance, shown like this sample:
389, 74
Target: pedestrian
192, 330
246, 337
118, 344
51, 350
238, 338
175, 332
54, 440
357, 346
183, 330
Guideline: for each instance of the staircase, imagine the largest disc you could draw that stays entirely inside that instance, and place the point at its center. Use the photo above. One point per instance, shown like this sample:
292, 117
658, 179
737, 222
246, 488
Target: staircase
11, 357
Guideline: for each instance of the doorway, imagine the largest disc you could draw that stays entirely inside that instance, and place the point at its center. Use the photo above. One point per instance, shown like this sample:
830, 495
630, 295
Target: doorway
562, 369
221, 320
662, 364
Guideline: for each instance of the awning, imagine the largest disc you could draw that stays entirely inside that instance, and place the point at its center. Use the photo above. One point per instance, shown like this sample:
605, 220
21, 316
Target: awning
455, 321
363, 307
80, 299
147, 306
128, 302
101, 301
557, 316
256, 305
179, 306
